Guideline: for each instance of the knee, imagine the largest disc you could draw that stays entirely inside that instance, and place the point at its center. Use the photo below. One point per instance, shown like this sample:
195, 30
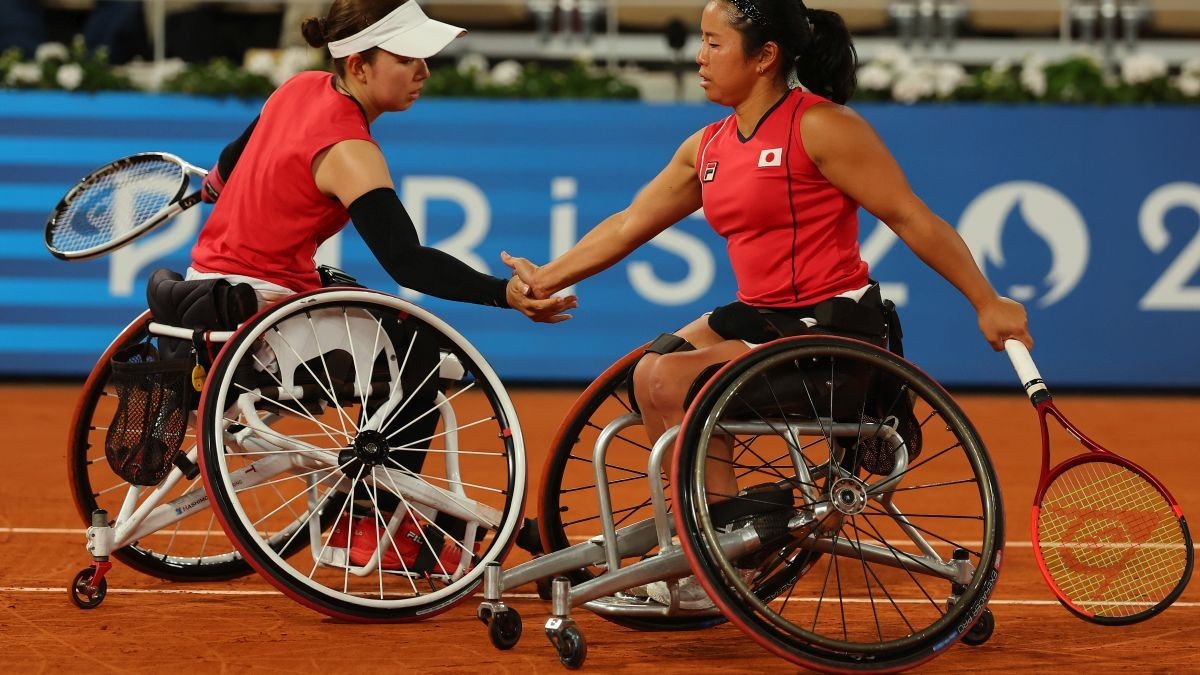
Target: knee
659, 386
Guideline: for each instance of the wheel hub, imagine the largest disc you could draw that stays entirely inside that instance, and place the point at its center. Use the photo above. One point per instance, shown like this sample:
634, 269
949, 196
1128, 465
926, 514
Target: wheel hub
849, 496
371, 448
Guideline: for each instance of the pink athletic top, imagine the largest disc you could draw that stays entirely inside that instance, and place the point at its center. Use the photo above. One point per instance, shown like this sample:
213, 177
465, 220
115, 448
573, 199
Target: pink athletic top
271, 217
792, 236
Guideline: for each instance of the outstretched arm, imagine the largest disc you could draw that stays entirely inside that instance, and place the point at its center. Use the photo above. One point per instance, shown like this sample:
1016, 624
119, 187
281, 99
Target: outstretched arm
671, 196
851, 155
356, 174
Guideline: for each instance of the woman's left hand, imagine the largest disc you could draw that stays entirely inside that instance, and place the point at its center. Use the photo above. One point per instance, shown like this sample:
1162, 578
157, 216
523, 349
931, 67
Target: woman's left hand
1003, 319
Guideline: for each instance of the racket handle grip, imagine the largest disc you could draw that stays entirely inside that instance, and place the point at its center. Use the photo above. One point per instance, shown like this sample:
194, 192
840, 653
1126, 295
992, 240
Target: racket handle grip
1026, 369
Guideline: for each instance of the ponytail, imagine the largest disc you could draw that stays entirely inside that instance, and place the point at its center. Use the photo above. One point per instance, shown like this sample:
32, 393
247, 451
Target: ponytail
816, 41
828, 64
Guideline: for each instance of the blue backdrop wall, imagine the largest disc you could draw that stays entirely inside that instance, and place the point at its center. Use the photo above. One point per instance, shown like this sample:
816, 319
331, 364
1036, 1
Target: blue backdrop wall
1090, 216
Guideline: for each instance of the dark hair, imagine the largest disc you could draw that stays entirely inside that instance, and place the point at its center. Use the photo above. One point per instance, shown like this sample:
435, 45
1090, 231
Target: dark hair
816, 41
345, 18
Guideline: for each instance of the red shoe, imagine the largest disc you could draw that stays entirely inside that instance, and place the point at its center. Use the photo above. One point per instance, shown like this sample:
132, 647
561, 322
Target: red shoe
363, 539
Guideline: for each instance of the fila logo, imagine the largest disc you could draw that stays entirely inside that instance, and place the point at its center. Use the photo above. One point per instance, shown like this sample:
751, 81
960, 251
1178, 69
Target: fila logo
710, 172
770, 157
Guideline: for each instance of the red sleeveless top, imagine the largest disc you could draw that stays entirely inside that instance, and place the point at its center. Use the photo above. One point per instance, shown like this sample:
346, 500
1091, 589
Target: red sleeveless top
792, 236
271, 217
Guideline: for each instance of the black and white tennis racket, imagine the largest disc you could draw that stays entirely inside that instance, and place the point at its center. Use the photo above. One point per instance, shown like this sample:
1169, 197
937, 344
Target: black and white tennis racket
120, 202
1111, 541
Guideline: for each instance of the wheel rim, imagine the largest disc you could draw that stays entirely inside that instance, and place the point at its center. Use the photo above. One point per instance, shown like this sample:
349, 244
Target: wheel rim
849, 606
338, 454
192, 549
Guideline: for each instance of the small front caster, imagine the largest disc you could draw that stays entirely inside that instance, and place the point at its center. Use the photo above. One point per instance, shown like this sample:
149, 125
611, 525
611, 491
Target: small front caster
83, 593
981, 631
504, 628
572, 648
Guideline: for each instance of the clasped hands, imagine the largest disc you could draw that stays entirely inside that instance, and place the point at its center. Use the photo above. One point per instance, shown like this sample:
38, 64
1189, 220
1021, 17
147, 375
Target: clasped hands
524, 295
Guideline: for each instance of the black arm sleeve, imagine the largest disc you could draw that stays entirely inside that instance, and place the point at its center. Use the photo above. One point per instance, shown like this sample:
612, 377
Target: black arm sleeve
233, 151
386, 227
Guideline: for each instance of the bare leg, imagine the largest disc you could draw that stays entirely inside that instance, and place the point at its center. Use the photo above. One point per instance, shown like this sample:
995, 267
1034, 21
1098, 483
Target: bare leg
661, 383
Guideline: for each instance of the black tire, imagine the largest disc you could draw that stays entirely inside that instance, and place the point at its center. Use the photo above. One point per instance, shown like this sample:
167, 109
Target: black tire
858, 608
504, 629
572, 648
191, 556
80, 596
982, 631
318, 416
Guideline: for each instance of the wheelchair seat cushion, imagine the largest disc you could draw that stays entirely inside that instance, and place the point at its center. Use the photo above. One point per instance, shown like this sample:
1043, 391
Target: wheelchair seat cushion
202, 304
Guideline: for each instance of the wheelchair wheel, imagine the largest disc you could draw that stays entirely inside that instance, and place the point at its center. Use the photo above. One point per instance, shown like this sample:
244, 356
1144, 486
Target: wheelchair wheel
193, 549
358, 407
890, 482
568, 507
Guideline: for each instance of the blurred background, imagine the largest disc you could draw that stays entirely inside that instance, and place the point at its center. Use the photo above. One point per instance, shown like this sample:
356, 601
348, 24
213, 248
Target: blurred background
1058, 136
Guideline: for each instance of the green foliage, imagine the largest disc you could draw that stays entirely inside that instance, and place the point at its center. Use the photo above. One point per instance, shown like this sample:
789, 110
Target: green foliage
531, 81
219, 77
58, 67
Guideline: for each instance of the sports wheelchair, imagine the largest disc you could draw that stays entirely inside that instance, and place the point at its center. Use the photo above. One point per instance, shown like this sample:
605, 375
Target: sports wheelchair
865, 532
355, 450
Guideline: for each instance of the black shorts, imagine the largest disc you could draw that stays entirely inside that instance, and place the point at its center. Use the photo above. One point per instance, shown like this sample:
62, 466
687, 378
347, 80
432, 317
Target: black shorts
864, 319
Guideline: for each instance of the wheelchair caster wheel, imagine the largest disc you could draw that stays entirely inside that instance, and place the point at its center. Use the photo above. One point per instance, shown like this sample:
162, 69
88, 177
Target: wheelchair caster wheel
572, 649
83, 593
981, 631
504, 629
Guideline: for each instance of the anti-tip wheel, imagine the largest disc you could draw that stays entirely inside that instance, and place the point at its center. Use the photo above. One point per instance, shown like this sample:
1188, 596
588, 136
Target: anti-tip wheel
981, 632
504, 629
83, 594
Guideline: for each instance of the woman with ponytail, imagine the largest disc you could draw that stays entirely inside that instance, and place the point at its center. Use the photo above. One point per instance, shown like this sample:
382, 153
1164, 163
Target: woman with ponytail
308, 164
781, 179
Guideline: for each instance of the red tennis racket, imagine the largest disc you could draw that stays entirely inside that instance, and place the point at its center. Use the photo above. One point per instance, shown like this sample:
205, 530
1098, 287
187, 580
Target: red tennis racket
1111, 542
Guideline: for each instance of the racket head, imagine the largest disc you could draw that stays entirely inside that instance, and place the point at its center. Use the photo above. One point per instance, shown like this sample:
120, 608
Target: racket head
119, 202
1111, 542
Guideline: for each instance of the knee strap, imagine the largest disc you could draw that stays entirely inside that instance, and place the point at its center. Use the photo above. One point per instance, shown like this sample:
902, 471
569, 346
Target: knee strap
666, 343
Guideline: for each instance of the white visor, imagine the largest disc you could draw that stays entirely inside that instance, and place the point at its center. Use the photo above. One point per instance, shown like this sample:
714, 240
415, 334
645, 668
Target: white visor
406, 31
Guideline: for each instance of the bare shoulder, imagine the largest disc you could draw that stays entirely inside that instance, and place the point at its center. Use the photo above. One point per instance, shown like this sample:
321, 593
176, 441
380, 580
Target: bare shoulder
689, 148
829, 127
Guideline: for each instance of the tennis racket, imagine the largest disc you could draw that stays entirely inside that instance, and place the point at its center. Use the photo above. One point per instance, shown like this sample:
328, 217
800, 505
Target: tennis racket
1111, 542
120, 202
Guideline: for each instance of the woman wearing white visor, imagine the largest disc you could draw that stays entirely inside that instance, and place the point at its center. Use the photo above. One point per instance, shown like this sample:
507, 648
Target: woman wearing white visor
308, 163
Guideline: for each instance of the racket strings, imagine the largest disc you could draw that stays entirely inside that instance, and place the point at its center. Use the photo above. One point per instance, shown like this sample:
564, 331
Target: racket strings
1110, 541
114, 203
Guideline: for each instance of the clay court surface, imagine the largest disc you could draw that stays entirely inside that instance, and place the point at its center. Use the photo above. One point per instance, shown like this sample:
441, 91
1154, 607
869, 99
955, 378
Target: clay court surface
148, 625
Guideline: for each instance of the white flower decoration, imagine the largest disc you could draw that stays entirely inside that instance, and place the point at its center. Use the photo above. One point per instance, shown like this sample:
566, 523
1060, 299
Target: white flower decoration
24, 73
260, 62
506, 73
894, 58
1033, 79
70, 76
1191, 67
916, 83
875, 77
291, 61
1142, 67
1188, 84
947, 78
473, 61
51, 50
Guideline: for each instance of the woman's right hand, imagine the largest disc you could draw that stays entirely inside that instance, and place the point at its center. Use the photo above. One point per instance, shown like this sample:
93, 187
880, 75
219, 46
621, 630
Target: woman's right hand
548, 310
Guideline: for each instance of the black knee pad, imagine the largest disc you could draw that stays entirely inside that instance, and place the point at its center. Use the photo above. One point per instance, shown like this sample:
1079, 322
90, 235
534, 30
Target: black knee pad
667, 343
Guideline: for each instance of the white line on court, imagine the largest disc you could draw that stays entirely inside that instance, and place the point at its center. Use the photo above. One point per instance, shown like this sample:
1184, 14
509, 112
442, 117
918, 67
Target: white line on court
529, 596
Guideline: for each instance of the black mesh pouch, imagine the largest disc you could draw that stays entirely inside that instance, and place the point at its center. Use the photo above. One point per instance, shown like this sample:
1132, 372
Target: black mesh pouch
154, 397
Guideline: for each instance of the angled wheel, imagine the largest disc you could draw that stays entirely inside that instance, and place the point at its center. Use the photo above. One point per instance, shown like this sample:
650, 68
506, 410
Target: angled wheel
364, 409
192, 549
568, 507
890, 482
